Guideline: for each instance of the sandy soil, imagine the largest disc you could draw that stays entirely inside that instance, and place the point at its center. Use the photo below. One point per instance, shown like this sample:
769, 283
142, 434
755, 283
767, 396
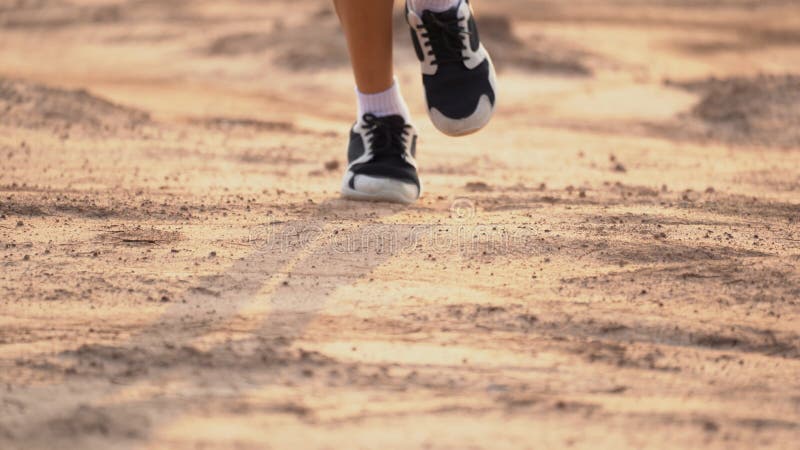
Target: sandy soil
613, 263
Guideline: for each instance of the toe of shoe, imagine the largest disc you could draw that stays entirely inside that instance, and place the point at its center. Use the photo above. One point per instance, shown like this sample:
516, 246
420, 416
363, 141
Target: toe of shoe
466, 125
460, 100
374, 188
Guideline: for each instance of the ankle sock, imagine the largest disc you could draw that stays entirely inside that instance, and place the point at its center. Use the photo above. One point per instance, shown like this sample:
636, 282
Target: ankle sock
386, 103
433, 5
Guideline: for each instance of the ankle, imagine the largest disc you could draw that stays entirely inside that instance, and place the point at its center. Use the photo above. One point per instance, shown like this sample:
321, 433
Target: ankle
418, 6
387, 103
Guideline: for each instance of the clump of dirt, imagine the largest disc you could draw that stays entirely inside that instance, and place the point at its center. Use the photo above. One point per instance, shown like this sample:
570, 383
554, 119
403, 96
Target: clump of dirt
89, 420
747, 38
477, 186
31, 105
229, 123
50, 15
762, 110
138, 236
538, 54
56, 14
135, 361
239, 43
316, 44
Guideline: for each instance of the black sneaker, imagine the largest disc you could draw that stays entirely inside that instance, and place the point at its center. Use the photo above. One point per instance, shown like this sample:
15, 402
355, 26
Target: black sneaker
457, 72
381, 165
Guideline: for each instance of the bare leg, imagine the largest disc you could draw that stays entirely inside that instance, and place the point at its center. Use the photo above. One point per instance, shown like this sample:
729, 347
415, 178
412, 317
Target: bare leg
380, 154
367, 27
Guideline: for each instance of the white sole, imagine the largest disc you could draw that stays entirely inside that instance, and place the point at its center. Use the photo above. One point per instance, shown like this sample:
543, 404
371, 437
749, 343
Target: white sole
374, 189
475, 122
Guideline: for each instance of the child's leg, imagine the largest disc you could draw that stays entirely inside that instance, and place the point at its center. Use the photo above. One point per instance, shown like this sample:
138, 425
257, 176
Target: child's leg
381, 164
367, 26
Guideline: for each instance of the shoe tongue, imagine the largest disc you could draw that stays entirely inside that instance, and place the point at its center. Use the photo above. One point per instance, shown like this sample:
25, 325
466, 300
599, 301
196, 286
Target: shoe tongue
450, 14
394, 120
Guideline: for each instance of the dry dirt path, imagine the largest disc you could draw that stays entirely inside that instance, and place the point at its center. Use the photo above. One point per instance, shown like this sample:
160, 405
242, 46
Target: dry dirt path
613, 263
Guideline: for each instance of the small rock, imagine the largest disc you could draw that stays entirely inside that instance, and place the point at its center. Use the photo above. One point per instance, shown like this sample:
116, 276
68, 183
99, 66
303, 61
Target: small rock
477, 186
710, 426
332, 165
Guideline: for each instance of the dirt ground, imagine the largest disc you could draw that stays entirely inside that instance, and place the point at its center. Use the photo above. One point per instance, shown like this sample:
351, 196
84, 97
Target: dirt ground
613, 263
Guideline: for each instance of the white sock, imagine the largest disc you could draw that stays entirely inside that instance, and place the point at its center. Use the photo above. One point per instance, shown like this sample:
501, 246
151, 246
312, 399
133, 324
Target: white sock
433, 5
386, 103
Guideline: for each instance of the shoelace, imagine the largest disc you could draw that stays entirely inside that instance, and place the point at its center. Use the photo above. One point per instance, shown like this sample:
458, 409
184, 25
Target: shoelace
387, 135
444, 38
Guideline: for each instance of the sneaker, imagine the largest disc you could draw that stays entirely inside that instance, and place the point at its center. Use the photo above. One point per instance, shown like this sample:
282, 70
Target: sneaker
381, 165
457, 72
